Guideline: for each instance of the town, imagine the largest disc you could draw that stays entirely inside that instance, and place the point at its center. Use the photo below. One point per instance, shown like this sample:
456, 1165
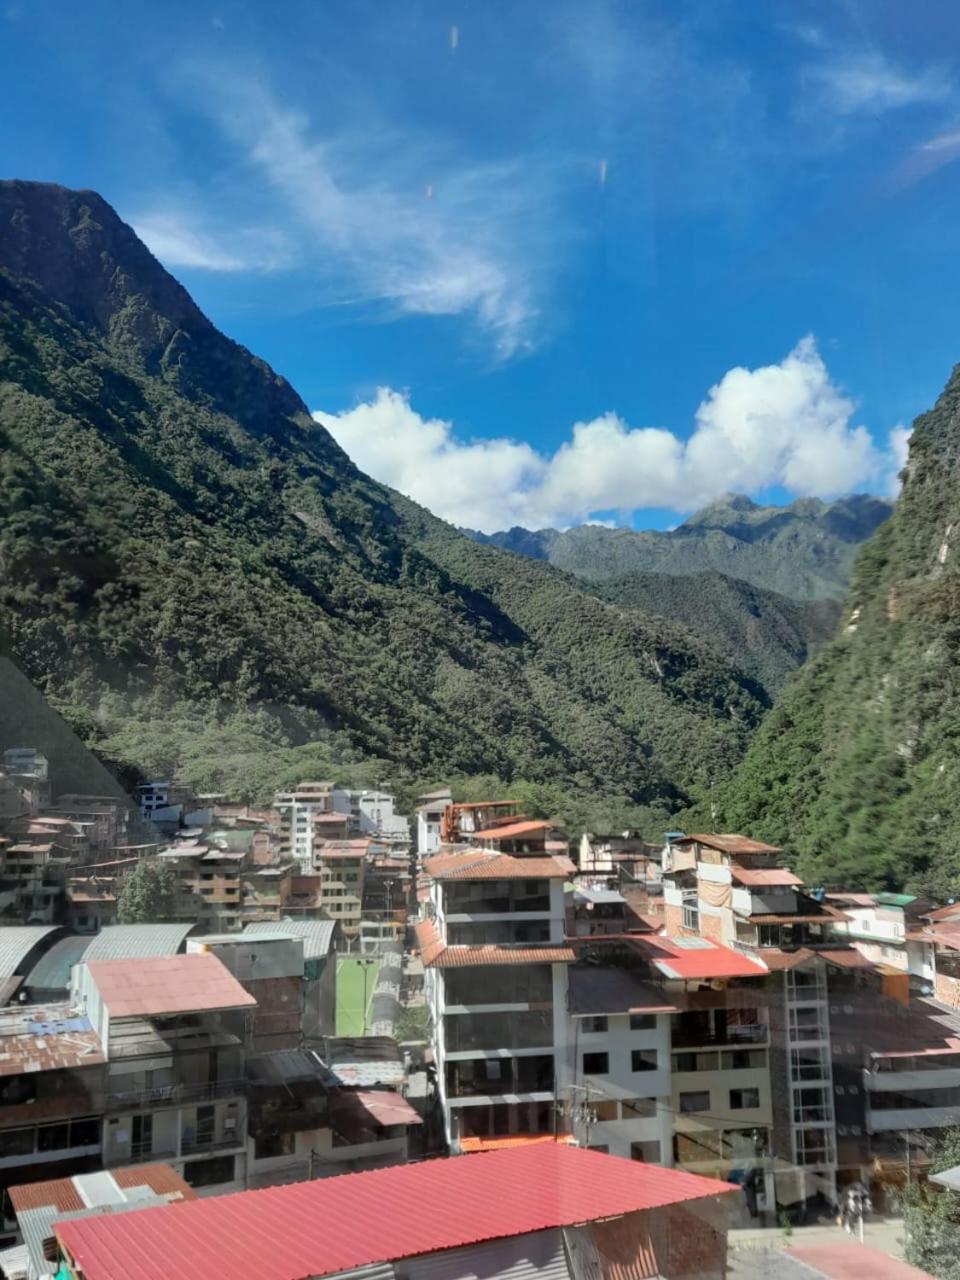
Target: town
202, 1000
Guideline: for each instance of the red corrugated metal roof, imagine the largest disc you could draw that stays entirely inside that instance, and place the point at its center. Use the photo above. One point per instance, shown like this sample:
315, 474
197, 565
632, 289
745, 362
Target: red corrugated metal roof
378, 1216
764, 875
694, 958
158, 985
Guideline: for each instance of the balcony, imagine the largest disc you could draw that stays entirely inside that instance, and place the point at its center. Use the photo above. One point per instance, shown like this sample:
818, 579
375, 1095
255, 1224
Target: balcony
172, 1095
199, 1144
913, 1118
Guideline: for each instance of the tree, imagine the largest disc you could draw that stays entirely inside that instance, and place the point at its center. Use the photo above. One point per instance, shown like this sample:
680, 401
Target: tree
148, 893
932, 1216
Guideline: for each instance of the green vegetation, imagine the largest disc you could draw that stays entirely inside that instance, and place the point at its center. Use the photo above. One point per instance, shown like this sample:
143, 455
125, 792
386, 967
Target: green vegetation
804, 551
931, 1216
356, 980
148, 893
857, 769
763, 632
198, 579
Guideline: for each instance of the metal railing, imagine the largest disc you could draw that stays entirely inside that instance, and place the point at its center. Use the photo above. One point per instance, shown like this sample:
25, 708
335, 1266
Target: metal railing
173, 1095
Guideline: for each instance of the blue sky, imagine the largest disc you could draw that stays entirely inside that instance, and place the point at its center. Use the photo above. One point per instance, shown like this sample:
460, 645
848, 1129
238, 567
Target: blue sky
539, 262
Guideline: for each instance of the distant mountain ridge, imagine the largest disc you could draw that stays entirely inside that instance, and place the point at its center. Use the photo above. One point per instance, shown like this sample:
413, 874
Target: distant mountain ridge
204, 585
804, 551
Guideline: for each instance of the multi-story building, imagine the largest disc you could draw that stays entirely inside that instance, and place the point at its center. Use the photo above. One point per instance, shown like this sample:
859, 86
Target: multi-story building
372, 813
208, 884
492, 945
104, 819
342, 867
174, 1031
297, 811
27, 761
429, 811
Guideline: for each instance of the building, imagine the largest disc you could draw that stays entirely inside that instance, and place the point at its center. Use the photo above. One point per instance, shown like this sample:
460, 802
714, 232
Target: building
39, 1205
296, 812
270, 967
27, 761
429, 811
544, 1211
342, 868
372, 813
495, 959
174, 1030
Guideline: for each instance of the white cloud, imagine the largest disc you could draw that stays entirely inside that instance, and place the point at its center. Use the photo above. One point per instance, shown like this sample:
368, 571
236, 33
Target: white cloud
172, 238
785, 424
389, 218
868, 83
899, 450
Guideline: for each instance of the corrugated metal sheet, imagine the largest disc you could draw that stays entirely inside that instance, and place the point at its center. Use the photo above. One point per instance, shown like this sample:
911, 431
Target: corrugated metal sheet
16, 943
52, 970
317, 935
380, 1216
540, 1256
137, 941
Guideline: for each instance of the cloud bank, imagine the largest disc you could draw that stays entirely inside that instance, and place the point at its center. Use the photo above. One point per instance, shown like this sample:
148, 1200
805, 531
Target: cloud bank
785, 425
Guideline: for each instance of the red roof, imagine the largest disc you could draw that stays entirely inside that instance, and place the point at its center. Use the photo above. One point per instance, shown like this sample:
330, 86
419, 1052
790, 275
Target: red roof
764, 875
379, 1216
693, 958
510, 830
727, 842
160, 985
434, 952
504, 866
378, 1105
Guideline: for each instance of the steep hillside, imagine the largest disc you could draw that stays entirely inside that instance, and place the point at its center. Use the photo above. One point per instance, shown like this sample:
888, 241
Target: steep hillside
804, 551
857, 769
763, 632
202, 582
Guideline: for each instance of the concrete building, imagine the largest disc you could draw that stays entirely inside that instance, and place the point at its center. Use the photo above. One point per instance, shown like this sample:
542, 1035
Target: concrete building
296, 812
429, 812
372, 813
27, 761
341, 865
495, 960
174, 1031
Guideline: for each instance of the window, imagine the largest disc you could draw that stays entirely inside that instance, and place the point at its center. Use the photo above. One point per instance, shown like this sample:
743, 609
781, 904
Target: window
694, 1102
596, 1064
643, 1060
594, 1026
643, 1022
744, 1099
648, 1152
743, 1059
208, 1173
638, 1108
268, 1145
695, 1062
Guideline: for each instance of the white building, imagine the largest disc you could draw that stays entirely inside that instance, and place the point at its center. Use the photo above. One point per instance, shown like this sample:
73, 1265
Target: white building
298, 810
372, 813
25, 760
430, 809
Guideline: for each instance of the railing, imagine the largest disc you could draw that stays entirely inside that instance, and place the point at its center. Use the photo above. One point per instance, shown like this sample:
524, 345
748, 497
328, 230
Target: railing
732, 1038
190, 1146
173, 1095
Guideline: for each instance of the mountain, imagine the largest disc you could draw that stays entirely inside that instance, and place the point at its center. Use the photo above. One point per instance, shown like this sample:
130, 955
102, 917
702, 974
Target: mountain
196, 576
804, 551
857, 768
760, 631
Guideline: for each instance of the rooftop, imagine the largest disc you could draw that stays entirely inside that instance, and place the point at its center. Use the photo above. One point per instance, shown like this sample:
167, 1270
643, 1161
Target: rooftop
696, 958
728, 842
435, 952
317, 935
51, 1037
137, 941
82, 1190
379, 1215
498, 866
16, 943
166, 985
364, 1061
764, 876
511, 830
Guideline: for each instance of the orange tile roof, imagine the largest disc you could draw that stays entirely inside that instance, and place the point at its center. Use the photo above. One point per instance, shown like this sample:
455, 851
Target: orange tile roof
434, 952
468, 1145
159, 985
764, 875
509, 831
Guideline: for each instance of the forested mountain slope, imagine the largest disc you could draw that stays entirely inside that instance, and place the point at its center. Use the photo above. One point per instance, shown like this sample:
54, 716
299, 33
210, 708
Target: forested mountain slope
857, 768
761, 631
804, 550
200, 579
